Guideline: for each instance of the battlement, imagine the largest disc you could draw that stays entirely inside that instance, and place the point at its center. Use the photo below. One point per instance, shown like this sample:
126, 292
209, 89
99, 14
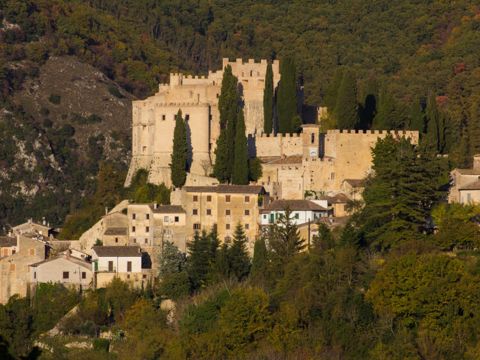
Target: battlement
395, 133
265, 135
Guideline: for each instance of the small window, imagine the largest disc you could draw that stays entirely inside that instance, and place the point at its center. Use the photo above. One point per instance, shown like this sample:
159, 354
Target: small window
227, 198
35, 275
147, 229
177, 219
196, 226
116, 240
195, 212
134, 240
144, 276
195, 197
163, 117
227, 226
209, 198
174, 117
209, 211
247, 212
247, 199
332, 176
133, 229
84, 275
227, 212
247, 226
312, 138
134, 216
265, 216
297, 216
187, 117
146, 241
147, 216
66, 274
129, 266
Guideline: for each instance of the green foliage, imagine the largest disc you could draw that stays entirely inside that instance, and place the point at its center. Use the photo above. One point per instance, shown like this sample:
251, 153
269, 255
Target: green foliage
390, 115
141, 191
324, 240
238, 254
287, 96
254, 169
240, 159
55, 99
101, 345
399, 197
179, 161
346, 106
268, 101
284, 238
113, 90
259, 262
202, 252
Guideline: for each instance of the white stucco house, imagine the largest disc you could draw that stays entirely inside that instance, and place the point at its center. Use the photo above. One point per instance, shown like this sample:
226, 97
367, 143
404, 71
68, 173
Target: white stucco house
302, 211
63, 269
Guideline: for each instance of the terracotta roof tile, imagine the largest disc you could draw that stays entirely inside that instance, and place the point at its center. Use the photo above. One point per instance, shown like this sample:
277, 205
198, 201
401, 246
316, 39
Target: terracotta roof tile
117, 251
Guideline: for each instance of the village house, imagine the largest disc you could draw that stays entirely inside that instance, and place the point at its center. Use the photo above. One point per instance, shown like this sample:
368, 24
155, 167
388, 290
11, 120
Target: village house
14, 269
465, 184
301, 211
64, 269
8, 246
223, 206
123, 262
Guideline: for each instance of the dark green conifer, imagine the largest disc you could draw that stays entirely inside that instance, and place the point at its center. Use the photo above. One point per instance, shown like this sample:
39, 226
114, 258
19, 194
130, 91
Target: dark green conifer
474, 127
238, 254
286, 96
332, 90
389, 115
179, 157
346, 106
268, 101
220, 168
416, 117
240, 161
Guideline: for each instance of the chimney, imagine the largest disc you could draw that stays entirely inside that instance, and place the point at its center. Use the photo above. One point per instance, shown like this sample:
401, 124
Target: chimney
476, 162
106, 210
155, 206
44, 222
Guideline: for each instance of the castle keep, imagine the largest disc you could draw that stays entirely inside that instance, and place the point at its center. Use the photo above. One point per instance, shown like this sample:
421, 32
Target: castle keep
292, 163
197, 97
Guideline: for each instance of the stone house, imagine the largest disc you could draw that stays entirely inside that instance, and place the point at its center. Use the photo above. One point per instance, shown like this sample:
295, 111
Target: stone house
465, 184
124, 262
8, 246
14, 269
223, 206
63, 269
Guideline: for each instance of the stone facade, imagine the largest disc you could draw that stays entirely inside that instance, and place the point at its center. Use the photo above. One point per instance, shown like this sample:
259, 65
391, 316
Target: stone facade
197, 97
465, 183
317, 161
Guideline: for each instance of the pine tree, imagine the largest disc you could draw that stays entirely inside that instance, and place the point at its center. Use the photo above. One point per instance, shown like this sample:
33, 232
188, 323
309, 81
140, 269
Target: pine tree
199, 260
474, 127
240, 160
284, 238
346, 106
259, 261
268, 101
324, 240
171, 260
179, 157
238, 254
286, 96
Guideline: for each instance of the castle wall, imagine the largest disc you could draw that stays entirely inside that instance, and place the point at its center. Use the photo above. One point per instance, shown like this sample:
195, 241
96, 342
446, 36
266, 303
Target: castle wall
267, 145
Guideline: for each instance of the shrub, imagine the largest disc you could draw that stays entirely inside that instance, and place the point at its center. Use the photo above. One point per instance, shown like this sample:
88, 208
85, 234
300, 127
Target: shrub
112, 89
102, 345
55, 99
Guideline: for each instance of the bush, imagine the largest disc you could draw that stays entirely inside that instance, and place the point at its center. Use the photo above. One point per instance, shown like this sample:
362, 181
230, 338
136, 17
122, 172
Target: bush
102, 345
55, 99
115, 92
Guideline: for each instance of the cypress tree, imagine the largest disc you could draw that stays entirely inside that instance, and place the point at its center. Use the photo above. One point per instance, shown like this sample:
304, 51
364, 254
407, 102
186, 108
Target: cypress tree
368, 109
228, 105
179, 157
416, 117
386, 112
286, 96
332, 90
238, 254
240, 160
433, 124
474, 127
346, 106
268, 101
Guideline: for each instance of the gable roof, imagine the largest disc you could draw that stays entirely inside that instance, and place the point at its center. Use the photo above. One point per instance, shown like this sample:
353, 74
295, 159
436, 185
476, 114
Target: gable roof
228, 189
472, 186
73, 260
294, 205
117, 251
116, 231
7, 241
336, 199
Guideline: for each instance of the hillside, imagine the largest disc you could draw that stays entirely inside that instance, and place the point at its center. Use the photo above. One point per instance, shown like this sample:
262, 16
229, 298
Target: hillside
409, 48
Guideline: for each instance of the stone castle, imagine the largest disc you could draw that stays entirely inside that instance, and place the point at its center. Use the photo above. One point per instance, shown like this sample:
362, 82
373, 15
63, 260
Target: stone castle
197, 97
292, 164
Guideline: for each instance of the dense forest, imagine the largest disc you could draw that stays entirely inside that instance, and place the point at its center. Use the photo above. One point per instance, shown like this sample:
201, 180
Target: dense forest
388, 285
400, 56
